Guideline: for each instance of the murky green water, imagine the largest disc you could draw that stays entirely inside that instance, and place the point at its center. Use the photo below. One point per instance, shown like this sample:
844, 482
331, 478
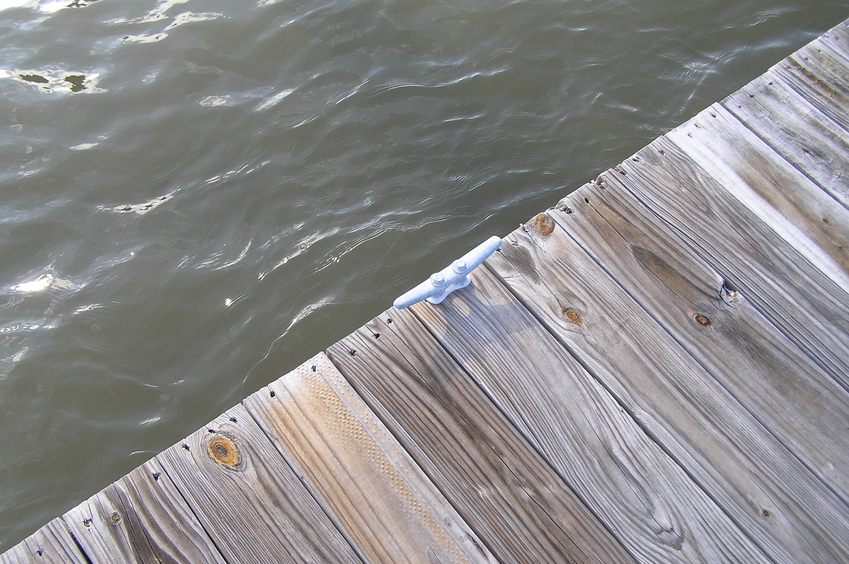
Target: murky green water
198, 195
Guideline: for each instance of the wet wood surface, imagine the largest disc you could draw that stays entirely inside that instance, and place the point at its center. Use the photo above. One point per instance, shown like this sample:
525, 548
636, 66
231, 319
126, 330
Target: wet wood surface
654, 370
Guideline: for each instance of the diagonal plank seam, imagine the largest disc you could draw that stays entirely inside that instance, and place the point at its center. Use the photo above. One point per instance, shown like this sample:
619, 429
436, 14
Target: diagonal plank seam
199, 518
532, 444
684, 345
517, 272
625, 406
420, 372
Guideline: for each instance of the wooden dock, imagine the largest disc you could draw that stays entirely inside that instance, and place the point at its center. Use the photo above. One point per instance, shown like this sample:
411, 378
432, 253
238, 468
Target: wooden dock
655, 370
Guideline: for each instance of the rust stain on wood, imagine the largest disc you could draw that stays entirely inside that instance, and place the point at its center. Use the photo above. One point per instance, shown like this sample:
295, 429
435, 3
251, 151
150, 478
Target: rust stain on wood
542, 225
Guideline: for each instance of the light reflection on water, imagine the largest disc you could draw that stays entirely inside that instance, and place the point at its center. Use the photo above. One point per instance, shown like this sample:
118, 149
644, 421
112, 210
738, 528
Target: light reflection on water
198, 195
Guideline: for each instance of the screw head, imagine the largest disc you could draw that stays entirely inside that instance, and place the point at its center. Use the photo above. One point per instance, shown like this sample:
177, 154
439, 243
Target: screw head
437, 279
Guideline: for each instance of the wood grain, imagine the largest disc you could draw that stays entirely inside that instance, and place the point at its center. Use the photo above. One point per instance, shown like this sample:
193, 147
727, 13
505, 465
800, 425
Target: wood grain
375, 491
795, 208
248, 499
140, 518
51, 544
157, 513
836, 39
645, 499
818, 74
516, 503
809, 308
764, 371
733, 458
796, 130
102, 538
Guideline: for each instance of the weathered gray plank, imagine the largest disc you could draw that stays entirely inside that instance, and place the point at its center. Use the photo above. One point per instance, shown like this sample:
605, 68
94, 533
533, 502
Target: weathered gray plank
819, 76
51, 544
782, 388
247, 498
103, 538
807, 306
376, 492
836, 39
795, 208
798, 131
647, 501
761, 486
518, 505
158, 514
140, 518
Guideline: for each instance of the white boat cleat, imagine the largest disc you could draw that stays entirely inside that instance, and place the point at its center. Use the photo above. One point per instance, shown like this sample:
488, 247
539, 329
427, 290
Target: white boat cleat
452, 277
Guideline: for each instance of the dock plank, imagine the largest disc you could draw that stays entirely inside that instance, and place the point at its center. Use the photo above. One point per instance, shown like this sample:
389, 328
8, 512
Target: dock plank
248, 499
836, 39
795, 129
733, 458
140, 518
818, 75
645, 499
827, 54
764, 371
101, 539
160, 520
795, 208
376, 492
808, 307
51, 544
518, 505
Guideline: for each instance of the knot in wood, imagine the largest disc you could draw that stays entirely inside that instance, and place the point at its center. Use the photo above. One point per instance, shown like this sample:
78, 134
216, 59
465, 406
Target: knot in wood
701, 319
224, 451
116, 517
573, 316
542, 224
